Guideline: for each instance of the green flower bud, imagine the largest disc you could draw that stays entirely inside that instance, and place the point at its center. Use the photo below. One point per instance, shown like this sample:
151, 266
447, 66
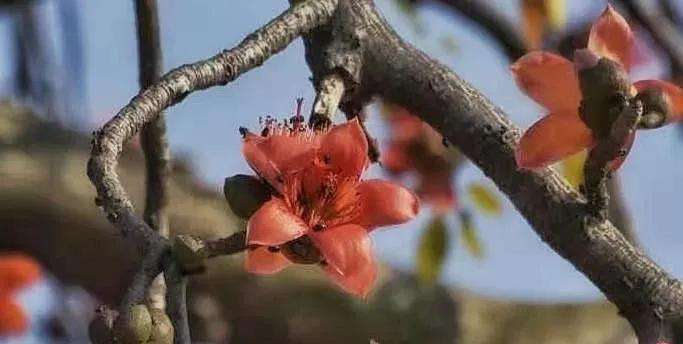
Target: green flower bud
245, 194
162, 328
135, 327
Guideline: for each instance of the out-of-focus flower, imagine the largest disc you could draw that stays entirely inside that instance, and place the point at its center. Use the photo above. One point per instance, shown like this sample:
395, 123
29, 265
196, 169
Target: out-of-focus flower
593, 82
17, 271
415, 147
320, 211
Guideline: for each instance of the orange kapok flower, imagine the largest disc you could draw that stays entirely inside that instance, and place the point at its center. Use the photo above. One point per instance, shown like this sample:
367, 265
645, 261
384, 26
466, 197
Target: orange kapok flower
321, 211
13, 320
17, 271
563, 87
415, 147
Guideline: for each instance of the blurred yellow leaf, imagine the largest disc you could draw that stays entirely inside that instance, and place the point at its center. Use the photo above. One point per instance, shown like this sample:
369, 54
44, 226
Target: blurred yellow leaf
432, 251
557, 13
484, 199
540, 15
572, 169
469, 236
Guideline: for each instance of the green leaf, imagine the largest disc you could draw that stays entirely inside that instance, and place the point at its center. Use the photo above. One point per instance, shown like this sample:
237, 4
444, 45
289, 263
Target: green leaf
484, 199
470, 238
432, 251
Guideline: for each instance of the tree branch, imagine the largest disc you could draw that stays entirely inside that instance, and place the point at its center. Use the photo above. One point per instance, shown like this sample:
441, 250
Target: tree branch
396, 71
145, 107
153, 135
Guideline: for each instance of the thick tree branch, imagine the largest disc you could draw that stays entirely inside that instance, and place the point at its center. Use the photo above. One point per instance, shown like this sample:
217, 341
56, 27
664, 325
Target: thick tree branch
145, 108
395, 70
153, 135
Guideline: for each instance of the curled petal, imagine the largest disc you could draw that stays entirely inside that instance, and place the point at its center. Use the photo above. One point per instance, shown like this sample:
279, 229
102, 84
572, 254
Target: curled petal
611, 37
616, 163
261, 260
273, 156
274, 224
13, 319
359, 283
548, 79
345, 149
17, 271
346, 248
384, 203
673, 96
551, 139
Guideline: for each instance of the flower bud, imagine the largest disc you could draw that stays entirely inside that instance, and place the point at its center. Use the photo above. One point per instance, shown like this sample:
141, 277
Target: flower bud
162, 328
604, 88
245, 194
134, 327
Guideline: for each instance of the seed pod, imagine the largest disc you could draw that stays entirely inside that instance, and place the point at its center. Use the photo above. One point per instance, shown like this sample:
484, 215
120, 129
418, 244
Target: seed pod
135, 327
162, 328
245, 194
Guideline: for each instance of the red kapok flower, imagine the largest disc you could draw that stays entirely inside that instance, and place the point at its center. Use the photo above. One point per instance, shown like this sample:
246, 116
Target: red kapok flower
554, 83
416, 147
17, 271
321, 211
13, 320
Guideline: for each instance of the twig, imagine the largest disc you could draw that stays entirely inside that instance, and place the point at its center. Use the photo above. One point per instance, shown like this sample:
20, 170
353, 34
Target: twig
495, 23
329, 93
661, 28
226, 246
153, 135
597, 167
171, 89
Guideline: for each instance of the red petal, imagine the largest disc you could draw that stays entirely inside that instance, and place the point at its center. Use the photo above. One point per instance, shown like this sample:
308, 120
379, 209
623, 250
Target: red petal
611, 37
345, 148
672, 94
395, 158
346, 248
13, 320
548, 79
271, 157
384, 203
616, 163
17, 271
551, 139
274, 224
262, 261
359, 283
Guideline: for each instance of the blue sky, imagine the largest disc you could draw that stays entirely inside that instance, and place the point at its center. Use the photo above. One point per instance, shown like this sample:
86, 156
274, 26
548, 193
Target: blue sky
204, 127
